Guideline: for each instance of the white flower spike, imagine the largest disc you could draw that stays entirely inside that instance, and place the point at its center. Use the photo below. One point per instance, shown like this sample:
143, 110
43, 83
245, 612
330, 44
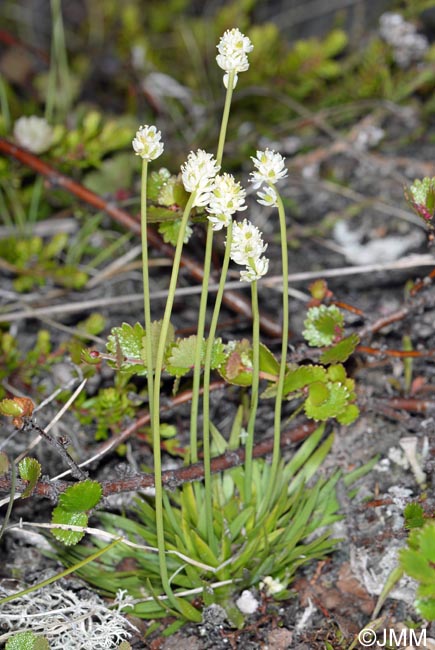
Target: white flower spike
233, 49
147, 143
34, 133
268, 197
198, 175
227, 197
246, 249
270, 168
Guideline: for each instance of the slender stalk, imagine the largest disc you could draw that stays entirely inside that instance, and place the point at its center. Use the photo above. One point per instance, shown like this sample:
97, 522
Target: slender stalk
204, 291
206, 412
194, 411
254, 391
146, 284
284, 345
155, 420
59, 72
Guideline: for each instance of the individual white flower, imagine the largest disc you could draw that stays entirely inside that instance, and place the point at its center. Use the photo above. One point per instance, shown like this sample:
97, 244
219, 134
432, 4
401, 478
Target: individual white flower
147, 143
247, 243
198, 175
270, 168
268, 197
255, 270
233, 49
271, 585
247, 603
227, 197
34, 133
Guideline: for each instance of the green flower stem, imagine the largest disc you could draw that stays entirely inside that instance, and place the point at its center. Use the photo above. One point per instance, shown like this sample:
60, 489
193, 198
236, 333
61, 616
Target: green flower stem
254, 391
206, 397
284, 345
204, 291
155, 420
146, 284
198, 352
59, 72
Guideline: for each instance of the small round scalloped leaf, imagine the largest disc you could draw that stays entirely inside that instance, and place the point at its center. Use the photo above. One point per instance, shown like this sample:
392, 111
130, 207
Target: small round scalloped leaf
318, 393
303, 376
332, 407
323, 325
27, 641
341, 351
349, 415
81, 497
61, 516
337, 372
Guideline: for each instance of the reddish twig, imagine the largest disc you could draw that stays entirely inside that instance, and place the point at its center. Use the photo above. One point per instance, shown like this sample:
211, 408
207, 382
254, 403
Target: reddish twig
171, 478
236, 301
400, 354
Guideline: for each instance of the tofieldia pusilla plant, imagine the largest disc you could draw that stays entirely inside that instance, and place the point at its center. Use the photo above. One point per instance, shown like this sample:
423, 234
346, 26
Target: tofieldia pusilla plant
255, 523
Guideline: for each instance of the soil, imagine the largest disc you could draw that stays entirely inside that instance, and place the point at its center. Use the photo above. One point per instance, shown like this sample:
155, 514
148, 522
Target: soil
346, 211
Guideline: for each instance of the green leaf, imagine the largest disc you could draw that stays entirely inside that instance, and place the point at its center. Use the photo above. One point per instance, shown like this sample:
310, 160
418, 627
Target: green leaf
349, 415
427, 542
303, 376
416, 565
426, 608
126, 342
29, 470
10, 407
268, 363
323, 325
181, 356
335, 404
237, 369
170, 230
61, 516
81, 497
341, 351
188, 611
318, 393
414, 515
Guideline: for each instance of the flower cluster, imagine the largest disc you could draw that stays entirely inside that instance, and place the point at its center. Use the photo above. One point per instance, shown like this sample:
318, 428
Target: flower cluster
247, 248
198, 175
233, 49
33, 133
227, 197
270, 168
147, 143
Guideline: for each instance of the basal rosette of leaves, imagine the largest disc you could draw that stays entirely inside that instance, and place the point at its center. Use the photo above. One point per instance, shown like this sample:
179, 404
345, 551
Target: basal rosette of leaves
274, 542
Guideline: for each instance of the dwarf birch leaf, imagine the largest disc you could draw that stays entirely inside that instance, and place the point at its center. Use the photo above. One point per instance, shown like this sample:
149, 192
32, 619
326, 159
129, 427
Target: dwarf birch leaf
341, 351
10, 407
332, 407
61, 516
349, 415
29, 470
303, 376
81, 497
414, 515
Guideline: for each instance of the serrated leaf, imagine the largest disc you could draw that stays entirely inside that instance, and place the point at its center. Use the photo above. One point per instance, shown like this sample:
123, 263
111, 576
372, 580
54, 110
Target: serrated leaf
29, 470
341, 351
61, 516
349, 415
126, 344
170, 230
303, 376
318, 393
416, 565
414, 515
156, 329
181, 357
427, 542
323, 325
335, 404
81, 497
156, 180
